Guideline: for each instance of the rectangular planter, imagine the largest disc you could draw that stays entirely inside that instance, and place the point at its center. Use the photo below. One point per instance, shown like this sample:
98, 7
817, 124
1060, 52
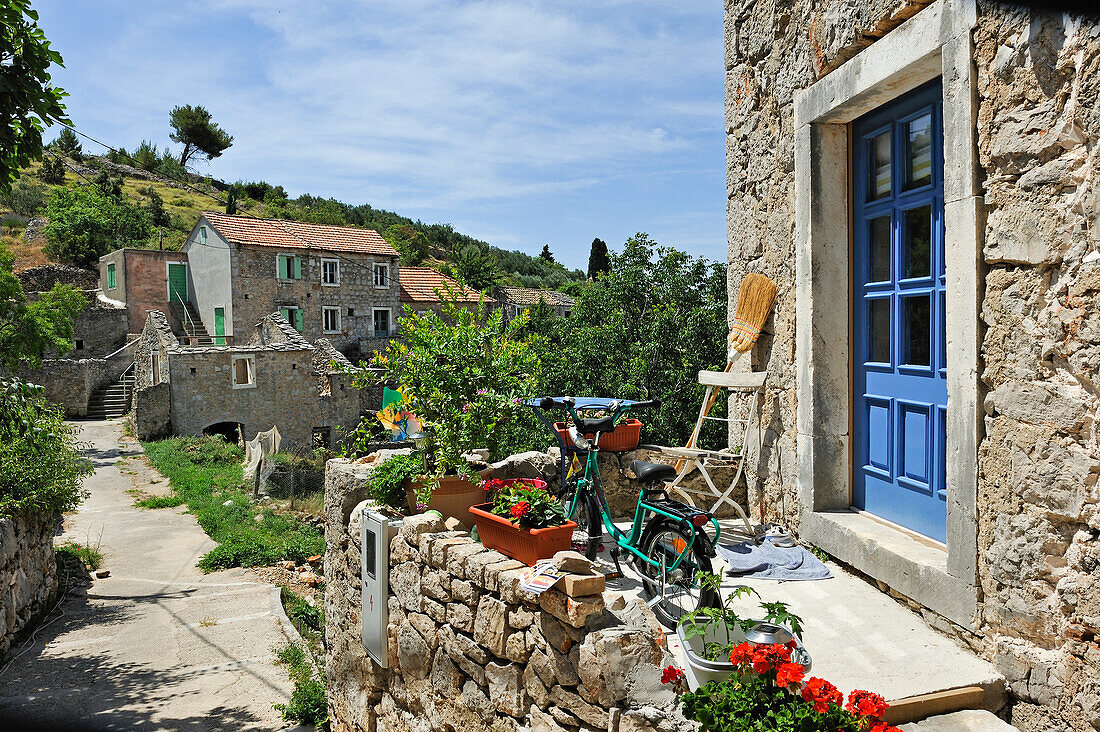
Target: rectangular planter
525, 545
623, 438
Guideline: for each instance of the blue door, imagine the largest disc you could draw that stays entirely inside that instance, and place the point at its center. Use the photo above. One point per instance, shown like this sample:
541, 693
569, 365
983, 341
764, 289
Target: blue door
900, 370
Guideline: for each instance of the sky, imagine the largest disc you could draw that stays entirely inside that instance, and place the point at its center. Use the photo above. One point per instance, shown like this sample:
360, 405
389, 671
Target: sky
518, 122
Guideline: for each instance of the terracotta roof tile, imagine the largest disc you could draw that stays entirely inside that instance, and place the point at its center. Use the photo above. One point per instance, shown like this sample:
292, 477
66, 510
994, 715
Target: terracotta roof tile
298, 235
418, 284
531, 296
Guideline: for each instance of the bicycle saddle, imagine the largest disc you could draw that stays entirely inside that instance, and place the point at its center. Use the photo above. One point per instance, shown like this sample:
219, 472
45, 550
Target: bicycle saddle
652, 471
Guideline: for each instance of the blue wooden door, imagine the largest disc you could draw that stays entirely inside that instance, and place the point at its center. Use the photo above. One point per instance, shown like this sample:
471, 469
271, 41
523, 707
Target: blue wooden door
899, 362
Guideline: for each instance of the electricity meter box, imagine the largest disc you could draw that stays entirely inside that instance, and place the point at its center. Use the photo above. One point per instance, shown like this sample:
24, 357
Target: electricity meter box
379, 526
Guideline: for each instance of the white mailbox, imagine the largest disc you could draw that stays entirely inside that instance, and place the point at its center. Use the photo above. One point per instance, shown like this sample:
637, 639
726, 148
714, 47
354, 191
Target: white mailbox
379, 526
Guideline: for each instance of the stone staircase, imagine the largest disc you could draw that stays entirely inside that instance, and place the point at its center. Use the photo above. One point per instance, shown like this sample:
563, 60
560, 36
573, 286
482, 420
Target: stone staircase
113, 400
194, 331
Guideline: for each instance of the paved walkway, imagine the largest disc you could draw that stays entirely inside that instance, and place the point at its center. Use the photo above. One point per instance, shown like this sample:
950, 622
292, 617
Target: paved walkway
158, 644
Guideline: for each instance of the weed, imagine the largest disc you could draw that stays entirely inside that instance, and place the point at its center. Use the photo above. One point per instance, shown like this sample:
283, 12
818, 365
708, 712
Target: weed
308, 702
207, 622
290, 654
300, 611
820, 553
89, 554
160, 502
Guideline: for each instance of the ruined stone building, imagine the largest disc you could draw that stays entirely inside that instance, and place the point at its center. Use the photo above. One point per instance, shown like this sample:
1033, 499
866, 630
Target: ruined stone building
515, 300
272, 377
921, 180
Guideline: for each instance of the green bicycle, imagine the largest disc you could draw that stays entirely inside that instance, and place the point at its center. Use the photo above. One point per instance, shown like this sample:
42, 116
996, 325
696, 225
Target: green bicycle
666, 543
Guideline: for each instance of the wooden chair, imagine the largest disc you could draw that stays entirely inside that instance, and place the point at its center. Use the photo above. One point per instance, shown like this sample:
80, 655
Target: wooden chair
692, 457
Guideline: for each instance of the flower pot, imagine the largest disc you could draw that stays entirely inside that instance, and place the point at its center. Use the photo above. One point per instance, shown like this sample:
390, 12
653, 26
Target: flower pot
623, 438
535, 482
701, 670
525, 545
452, 497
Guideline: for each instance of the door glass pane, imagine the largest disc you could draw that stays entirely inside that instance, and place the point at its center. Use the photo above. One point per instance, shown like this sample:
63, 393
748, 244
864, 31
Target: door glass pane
916, 314
919, 159
879, 247
878, 323
918, 241
879, 168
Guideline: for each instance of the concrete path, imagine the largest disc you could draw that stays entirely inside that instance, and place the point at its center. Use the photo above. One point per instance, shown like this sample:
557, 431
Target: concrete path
158, 644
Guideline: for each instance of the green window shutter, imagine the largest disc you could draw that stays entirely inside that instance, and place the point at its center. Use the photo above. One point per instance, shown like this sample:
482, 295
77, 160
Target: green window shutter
282, 267
298, 320
298, 270
110, 276
285, 312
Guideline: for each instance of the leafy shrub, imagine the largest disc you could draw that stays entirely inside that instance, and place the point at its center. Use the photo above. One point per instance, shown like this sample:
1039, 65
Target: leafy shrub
525, 505
169, 167
84, 224
387, 480
52, 171
26, 199
154, 206
40, 466
145, 157
90, 555
160, 502
308, 702
301, 611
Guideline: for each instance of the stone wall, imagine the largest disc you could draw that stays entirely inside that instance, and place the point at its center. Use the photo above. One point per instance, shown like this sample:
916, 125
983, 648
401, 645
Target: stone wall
28, 573
469, 649
1037, 133
153, 411
70, 382
100, 330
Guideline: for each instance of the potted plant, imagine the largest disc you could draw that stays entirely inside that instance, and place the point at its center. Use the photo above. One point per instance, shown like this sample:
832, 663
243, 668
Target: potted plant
464, 375
709, 634
523, 521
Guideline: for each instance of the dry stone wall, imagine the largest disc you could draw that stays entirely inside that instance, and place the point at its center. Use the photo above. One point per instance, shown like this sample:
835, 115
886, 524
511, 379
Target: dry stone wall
28, 572
469, 649
1037, 135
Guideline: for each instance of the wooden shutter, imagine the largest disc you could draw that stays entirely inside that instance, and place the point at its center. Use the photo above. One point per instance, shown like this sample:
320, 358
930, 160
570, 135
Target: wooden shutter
298, 269
298, 318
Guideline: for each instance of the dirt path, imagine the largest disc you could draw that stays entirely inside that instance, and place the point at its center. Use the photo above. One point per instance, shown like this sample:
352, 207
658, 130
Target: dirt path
158, 644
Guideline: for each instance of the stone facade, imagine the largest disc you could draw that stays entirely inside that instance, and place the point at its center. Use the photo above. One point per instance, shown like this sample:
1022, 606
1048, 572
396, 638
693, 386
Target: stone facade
1031, 79
141, 282
153, 411
470, 649
28, 572
70, 382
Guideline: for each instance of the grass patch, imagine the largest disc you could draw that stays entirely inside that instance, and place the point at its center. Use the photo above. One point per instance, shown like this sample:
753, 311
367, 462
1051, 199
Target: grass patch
160, 501
302, 613
205, 472
88, 554
308, 702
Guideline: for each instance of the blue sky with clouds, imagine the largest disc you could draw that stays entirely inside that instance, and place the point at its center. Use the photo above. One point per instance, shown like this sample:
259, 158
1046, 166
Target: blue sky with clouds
519, 122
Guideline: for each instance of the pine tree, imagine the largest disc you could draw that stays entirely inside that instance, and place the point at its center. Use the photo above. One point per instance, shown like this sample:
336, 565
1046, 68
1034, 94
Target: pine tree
598, 259
546, 255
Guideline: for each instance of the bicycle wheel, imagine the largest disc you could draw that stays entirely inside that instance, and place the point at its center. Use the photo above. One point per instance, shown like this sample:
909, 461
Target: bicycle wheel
679, 590
589, 532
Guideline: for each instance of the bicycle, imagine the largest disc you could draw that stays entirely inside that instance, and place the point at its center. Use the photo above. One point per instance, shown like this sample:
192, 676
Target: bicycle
666, 544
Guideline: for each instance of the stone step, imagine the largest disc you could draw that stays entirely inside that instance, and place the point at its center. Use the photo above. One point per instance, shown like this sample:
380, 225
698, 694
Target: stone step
968, 720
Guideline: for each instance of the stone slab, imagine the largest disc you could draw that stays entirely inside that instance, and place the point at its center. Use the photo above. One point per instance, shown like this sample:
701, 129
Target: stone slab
968, 720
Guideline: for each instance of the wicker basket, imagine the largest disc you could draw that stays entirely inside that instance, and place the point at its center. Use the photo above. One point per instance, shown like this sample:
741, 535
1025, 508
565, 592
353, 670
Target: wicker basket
525, 545
624, 438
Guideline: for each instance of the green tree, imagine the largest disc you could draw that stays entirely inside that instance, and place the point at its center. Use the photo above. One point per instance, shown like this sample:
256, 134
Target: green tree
477, 268
28, 329
28, 102
154, 206
108, 185
231, 201
321, 211
67, 143
52, 171
409, 241
546, 255
84, 224
598, 258
146, 156
26, 199
194, 127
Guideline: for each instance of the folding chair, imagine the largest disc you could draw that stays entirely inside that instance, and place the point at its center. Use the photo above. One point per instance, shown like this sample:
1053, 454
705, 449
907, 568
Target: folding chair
692, 457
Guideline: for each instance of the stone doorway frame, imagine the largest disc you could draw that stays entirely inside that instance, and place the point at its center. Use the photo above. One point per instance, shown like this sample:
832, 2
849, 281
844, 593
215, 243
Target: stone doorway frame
936, 42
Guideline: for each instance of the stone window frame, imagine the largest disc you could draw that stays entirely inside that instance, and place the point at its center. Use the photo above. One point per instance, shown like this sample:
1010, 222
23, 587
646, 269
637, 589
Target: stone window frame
384, 267
325, 310
389, 321
325, 261
936, 42
250, 360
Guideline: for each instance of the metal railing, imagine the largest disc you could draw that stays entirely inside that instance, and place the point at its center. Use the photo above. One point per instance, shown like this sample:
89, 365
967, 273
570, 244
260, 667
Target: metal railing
187, 316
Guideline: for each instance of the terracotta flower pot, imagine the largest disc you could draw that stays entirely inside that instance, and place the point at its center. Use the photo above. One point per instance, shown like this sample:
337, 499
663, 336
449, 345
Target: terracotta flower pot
623, 438
452, 497
525, 545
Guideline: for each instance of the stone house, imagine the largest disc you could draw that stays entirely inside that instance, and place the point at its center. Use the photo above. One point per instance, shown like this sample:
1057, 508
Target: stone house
515, 300
920, 180
335, 282
420, 288
273, 377
143, 280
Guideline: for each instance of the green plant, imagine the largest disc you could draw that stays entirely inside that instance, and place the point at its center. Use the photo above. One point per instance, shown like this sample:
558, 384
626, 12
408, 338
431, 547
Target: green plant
52, 171
30, 328
525, 505
67, 143
85, 223
724, 624
199, 134
308, 702
160, 502
464, 376
89, 554
26, 199
300, 611
387, 480
358, 441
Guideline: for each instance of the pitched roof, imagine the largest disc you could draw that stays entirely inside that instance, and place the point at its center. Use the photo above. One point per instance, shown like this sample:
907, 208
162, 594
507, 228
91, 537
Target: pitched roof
531, 296
418, 284
298, 235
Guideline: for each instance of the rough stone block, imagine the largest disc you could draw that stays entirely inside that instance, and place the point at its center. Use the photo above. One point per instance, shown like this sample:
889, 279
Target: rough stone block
565, 666
437, 611
402, 551
520, 617
464, 592
543, 722
490, 629
412, 653
458, 555
540, 695
460, 617
491, 578
405, 585
506, 689
570, 610
477, 701
439, 548
516, 648
579, 585
445, 676
558, 636
426, 627
476, 564
589, 713
436, 584
509, 584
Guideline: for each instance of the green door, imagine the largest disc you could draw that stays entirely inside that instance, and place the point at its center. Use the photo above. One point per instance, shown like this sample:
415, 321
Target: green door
177, 282
219, 326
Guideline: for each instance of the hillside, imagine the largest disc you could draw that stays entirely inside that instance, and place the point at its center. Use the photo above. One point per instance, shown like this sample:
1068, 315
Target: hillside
436, 245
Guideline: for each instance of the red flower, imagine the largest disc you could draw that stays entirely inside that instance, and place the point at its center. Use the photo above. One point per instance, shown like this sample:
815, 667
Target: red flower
741, 654
520, 509
789, 673
767, 657
883, 727
672, 675
821, 694
866, 704
792, 644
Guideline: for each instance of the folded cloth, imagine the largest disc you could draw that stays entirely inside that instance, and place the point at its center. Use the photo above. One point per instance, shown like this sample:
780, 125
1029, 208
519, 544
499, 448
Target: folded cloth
768, 561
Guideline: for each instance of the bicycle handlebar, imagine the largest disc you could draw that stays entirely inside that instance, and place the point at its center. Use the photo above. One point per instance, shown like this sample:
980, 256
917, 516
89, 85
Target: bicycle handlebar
552, 403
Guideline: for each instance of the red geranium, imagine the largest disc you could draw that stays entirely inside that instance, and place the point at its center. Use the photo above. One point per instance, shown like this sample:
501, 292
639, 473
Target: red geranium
881, 726
767, 657
866, 703
672, 675
741, 654
520, 509
821, 694
789, 673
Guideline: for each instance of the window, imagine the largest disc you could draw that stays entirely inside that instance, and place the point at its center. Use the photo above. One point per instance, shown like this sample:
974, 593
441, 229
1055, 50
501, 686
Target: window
154, 367
330, 318
202, 235
381, 322
244, 372
290, 267
79, 344
566, 313
293, 315
381, 275
351, 312
111, 284
330, 272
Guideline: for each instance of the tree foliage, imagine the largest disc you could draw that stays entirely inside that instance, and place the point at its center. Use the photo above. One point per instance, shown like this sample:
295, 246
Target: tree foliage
28, 101
52, 171
546, 255
67, 143
598, 258
477, 268
199, 134
28, 329
26, 199
409, 241
84, 224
